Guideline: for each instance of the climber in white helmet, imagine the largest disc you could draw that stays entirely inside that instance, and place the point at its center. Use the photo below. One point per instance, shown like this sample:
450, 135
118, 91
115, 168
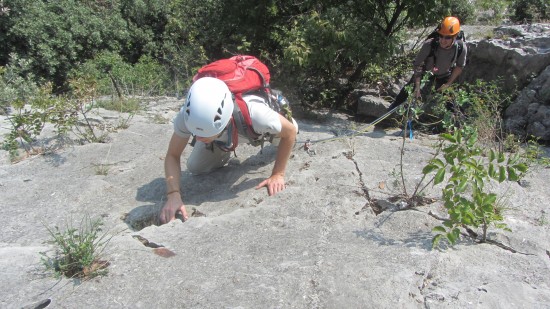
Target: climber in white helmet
208, 115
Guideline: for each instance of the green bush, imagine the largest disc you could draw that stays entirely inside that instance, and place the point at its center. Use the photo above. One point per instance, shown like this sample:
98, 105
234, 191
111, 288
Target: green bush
464, 10
492, 11
530, 11
479, 104
115, 76
16, 84
55, 36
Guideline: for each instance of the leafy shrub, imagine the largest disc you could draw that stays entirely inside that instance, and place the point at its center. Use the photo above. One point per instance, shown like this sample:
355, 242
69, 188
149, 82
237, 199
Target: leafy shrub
530, 11
55, 36
468, 201
16, 83
385, 72
491, 11
78, 250
465, 164
35, 106
28, 117
479, 104
464, 10
115, 76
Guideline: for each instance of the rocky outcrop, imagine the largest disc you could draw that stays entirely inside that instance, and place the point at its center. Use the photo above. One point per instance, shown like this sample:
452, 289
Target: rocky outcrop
520, 56
529, 115
516, 55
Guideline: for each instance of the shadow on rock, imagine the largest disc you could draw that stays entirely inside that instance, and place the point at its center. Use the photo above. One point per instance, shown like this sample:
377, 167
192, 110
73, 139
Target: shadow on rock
143, 216
220, 185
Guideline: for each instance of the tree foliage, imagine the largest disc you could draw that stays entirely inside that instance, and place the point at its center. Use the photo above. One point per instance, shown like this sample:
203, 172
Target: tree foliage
55, 36
530, 10
320, 48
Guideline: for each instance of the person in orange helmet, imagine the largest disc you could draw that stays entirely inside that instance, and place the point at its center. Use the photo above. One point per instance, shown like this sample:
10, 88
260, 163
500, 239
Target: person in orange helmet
443, 55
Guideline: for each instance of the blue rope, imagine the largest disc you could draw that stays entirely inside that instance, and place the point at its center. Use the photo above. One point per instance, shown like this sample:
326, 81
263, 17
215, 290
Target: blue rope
411, 135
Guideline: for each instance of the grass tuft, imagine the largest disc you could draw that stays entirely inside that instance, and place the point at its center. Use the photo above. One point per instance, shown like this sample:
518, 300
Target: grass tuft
78, 250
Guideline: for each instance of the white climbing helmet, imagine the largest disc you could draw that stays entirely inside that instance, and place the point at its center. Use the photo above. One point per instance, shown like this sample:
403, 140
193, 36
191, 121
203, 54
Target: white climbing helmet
208, 108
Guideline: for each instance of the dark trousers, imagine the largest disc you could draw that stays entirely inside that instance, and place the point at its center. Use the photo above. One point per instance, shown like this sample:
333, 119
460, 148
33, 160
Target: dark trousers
424, 91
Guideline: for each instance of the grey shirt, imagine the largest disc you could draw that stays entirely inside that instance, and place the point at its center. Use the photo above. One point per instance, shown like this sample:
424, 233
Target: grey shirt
444, 59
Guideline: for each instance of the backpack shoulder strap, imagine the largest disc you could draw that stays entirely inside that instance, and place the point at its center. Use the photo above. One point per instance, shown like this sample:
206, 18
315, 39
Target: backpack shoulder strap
459, 47
434, 44
241, 114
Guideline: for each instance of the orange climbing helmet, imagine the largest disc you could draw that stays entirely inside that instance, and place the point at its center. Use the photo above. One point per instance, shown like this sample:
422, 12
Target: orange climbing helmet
449, 26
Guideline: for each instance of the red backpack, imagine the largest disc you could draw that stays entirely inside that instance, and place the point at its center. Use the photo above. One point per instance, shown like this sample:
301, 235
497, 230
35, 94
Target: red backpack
241, 74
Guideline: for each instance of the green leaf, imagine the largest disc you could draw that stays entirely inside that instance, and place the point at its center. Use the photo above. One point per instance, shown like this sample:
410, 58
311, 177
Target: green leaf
462, 185
522, 167
513, 159
502, 174
439, 229
471, 164
491, 198
429, 168
512, 175
491, 170
451, 237
488, 208
478, 199
449, 158
435, 240
448, 137
478, 181
492, 155
468, 219
439, 176
438, 162
501, 157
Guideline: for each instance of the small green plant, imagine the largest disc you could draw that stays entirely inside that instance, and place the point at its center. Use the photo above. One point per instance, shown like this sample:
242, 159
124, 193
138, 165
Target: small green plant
124, 105
396, 175
533, 154
542, 220
471, 122
468, 202
124, 123
78, 250
103, 168
511, 143
409, 112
